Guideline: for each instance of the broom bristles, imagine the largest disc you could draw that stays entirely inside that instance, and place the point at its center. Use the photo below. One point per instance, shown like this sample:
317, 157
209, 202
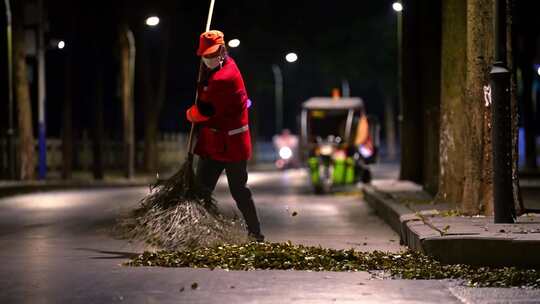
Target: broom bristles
180, 214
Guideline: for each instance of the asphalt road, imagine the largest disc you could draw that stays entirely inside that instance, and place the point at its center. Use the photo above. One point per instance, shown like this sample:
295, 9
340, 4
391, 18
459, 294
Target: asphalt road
56, 247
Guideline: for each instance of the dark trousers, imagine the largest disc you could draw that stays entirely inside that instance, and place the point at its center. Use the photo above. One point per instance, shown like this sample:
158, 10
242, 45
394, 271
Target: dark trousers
208, 172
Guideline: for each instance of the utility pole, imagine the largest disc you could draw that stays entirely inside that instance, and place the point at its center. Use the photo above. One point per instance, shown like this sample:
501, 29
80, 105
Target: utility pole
501, 122
278, 94
41, 94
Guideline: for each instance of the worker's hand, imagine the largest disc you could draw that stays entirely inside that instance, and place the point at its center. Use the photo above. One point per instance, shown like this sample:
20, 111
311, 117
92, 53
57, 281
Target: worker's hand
194, 115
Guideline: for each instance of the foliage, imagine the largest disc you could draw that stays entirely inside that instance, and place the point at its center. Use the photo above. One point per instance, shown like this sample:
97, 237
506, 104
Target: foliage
286, 256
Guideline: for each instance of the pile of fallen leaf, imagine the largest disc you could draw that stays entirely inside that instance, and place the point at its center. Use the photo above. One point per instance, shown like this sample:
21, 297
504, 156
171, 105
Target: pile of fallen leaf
286, 256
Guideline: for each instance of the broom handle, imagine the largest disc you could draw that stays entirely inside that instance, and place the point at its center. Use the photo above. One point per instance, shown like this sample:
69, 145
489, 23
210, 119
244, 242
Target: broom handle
192, 131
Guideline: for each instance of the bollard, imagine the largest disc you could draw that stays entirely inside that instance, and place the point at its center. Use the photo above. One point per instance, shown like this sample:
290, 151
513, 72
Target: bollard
503, 199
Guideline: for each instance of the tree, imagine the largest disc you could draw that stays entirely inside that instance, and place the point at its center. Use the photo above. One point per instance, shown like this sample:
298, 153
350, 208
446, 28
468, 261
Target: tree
127, 54
478, 169
453, 76
420, 91
96, 85
465, 161
22, 94
511, 51
466, 151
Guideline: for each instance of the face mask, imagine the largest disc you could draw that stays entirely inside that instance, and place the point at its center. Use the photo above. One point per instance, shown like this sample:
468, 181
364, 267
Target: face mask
212, 63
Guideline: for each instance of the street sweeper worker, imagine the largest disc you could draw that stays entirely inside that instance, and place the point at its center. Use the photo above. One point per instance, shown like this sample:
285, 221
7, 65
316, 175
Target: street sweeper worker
221, 112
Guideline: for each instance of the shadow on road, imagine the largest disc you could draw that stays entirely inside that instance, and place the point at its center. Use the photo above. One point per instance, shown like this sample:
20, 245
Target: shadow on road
112, 254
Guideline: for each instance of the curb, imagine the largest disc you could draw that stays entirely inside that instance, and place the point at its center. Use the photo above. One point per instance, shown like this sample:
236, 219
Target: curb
451, 249
16, 189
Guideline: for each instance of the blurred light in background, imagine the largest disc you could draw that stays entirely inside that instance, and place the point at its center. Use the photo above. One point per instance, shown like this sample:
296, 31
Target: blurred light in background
234, 43
285, 153
538, 71
61, 44
152, 21
291, 57
398, 7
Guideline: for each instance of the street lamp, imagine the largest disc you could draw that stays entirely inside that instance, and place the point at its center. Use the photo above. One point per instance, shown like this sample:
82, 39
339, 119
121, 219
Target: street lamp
397, 6
278, 90
234, 43
291, 57
61, 44
152, 21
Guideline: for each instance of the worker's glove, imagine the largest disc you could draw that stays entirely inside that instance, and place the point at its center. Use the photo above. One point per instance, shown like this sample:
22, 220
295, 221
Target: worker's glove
194, 115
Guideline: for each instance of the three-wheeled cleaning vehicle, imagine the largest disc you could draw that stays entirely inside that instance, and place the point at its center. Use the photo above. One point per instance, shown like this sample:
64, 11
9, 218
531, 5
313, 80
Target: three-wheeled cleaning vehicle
329, 126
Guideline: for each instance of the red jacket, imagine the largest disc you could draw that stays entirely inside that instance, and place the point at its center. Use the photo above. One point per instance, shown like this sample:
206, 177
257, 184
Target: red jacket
225, 136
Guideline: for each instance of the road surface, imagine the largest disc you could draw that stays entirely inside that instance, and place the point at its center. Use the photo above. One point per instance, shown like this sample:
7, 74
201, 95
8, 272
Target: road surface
56, 247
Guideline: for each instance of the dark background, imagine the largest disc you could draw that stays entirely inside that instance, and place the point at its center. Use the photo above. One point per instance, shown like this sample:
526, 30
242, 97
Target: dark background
334, 40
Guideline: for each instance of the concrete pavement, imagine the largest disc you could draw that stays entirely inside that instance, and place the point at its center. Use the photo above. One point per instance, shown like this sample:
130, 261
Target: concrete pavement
436, 230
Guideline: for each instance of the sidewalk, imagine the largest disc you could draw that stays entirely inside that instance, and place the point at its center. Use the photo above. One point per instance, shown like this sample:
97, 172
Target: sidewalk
438, 230
78, 181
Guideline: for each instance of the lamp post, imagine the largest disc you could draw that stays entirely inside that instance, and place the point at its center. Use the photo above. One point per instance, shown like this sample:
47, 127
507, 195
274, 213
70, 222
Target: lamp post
278, 89
398, 8
278, 95
389, 108
10, 131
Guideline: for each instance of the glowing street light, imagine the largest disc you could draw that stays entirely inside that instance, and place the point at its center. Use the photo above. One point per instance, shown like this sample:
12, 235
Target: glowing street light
291, 57
61, 44
152, 21
397, 6
538, 71
234, 43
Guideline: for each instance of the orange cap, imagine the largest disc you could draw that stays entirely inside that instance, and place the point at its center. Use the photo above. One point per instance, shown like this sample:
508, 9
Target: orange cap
209, 42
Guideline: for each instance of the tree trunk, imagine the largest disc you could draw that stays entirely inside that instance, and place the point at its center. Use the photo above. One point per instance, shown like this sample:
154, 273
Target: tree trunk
22, 94
518, 201
126, 75
421, 93
98, 166
151, 116
453, 127
478, 185
411, 109
429, 89
390, 128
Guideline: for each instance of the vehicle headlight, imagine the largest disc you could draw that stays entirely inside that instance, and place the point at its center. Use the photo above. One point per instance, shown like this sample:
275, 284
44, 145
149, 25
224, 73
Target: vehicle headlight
285, 153
326, 150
